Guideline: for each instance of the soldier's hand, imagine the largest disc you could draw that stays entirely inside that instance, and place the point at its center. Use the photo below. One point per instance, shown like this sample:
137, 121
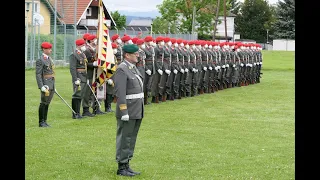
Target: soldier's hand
160, 71
43, 89
194, 70
110, 81
175, 71
182, 71
234, 65
125, 117
210, 68
227, 65
168, 71
46, 86
95, 63
205, 68
148, 72
186, 70
77, 82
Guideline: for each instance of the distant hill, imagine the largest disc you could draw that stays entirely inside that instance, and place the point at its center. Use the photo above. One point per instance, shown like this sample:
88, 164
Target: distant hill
151, 14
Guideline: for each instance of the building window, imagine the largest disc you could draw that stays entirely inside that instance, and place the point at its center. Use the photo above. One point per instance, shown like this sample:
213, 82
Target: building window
37, 7
89, 10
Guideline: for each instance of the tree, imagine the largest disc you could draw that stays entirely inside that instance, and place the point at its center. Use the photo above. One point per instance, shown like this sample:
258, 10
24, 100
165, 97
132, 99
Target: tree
119, 19
284, 26
252, 18
161, 26
178, 13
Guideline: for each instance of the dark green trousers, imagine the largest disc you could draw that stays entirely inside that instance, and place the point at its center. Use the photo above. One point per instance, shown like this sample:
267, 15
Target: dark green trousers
127, 132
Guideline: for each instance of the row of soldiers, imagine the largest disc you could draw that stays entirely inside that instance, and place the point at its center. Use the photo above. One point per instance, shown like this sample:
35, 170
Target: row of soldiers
176, 68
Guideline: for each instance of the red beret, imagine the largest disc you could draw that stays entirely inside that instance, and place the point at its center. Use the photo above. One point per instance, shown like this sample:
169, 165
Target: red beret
140, 41
203, 43
80, 42
179, 41
90, 37
114, 45
148, 38
173, 40
46, 45
159, 38
125, 38
191, 42
134, 40
85, 36
197, 42
166, 39
114, 37
185, 42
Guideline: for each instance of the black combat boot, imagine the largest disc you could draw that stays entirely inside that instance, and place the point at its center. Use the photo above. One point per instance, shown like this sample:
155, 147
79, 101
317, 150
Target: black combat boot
86, 112
123, 171
96, 109
107, 103
130, 170
76, 107
42, 115
46, 114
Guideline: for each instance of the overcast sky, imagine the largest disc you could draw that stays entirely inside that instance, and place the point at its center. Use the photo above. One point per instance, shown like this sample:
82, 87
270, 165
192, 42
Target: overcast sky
140, 5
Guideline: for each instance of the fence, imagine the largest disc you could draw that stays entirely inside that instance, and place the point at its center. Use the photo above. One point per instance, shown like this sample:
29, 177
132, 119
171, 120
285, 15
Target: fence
64, 41
284, 44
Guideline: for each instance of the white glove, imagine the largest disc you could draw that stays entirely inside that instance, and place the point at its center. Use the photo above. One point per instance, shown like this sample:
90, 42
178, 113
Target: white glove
247, 65
227, 65
167, 71
223, 66
110, 81
216, 68
210, 68
46, 86
77, 82
261, 63
205, 68
175, 71
250, 65
182, 71
186, 70
148, 72
193, 69
241, 64
197, 70
254, 63
95, 63
43, 88
160, 71
125, 117
234, 65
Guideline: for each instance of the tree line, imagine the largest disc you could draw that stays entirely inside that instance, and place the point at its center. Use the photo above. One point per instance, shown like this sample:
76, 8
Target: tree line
254, 19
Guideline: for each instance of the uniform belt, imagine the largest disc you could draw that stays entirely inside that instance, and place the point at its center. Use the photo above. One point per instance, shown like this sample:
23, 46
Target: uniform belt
166, 60
135, 96
81, 70
148, 60
47, 76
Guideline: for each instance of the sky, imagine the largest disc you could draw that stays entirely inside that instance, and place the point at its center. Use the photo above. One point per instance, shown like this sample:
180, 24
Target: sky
140, 5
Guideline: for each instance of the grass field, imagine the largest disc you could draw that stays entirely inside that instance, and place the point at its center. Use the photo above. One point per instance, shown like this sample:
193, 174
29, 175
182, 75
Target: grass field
238, 133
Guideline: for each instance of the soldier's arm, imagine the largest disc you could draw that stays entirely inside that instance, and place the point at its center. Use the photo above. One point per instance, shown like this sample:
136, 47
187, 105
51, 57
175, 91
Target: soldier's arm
73, 67
120, 87
39, 66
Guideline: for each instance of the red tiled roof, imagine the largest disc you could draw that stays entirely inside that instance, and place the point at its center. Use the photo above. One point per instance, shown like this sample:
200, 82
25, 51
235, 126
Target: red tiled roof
67, 15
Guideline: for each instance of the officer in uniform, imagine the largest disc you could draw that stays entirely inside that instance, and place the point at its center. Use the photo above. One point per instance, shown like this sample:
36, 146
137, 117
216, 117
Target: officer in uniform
46, 82
188, 56
129, 108
166, 66
197, 51
149, 67
78, 70
173, 80
158, 63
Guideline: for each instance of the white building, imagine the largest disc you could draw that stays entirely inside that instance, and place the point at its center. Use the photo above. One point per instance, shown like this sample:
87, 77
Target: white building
220, 32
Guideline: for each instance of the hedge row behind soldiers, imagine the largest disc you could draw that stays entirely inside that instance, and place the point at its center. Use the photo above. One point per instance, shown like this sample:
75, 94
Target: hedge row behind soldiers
176, 68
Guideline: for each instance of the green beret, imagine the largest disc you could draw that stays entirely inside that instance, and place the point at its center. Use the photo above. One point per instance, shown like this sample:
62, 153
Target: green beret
130, 48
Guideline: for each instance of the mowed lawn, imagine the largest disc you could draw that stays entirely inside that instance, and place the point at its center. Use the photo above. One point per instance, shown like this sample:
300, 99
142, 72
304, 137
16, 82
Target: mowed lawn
239, 133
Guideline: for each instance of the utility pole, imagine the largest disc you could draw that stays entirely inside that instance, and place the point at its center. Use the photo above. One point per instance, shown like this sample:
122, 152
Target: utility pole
225, 19
193, 19
55, 31
216, 21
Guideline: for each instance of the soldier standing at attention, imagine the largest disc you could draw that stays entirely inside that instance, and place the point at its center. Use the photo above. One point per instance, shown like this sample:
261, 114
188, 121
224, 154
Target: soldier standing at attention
129, 108
149, 67
116, 39
158, 63
78, 70
46, 82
